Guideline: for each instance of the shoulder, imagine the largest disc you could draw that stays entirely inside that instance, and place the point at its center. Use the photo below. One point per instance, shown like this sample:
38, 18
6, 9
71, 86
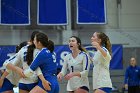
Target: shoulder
24, 48
138, 67
128, 68
84, 54
36, 50
45, 52
105, 49
68, 56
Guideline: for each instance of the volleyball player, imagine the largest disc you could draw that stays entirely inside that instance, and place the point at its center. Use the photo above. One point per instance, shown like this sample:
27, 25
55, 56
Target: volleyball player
78, 64
8, 81
25, 57
47, 63
101, 60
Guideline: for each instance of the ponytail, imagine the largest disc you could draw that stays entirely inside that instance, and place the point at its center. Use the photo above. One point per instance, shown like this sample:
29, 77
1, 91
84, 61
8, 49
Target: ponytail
82, 49
30, 52
50, 46
108, 45
43, 38
105, 41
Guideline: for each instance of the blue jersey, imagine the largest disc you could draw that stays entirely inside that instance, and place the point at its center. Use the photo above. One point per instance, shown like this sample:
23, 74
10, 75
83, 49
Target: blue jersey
46, 61
132, 76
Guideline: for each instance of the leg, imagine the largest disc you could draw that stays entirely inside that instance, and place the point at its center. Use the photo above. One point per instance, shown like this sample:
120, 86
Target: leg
79, 90
23, 91
137, 89
7, 87
37, 89
98, 91
10, 91
131, 89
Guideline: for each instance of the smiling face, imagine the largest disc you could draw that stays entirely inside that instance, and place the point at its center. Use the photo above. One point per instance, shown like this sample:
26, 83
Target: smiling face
73, 43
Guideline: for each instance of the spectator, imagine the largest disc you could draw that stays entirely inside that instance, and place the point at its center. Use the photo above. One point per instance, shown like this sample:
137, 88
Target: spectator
132, 77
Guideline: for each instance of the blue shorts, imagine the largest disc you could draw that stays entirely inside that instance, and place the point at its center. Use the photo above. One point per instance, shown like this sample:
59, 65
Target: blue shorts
27, 87
106, 89
7, 86
54, 84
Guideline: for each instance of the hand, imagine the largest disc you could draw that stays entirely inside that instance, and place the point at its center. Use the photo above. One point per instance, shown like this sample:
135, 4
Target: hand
126, 86
20, 72
95, 44
1, 82
59, 77
68, 76
46, 84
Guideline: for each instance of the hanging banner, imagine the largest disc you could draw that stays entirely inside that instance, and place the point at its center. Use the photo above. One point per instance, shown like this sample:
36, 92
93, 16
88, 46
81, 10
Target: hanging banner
62, 50
15, 12
117, 57
52, 12
91, 12
117, 54
5, 53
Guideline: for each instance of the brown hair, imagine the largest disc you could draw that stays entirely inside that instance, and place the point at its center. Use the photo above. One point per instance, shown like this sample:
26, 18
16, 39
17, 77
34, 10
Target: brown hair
43, 38
104, 41
18, 47
79, 43
30, 50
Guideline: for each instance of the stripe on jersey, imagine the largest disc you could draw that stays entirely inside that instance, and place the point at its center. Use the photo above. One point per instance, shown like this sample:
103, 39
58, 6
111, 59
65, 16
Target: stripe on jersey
86, 61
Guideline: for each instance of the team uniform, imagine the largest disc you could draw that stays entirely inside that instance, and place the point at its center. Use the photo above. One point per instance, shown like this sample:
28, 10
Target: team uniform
80, 63
47, 63
29, 82
11, 79
101, 75
132, 78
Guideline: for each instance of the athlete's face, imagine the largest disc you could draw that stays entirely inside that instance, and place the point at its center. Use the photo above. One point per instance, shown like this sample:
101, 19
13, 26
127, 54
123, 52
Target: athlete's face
73, 43
95, 38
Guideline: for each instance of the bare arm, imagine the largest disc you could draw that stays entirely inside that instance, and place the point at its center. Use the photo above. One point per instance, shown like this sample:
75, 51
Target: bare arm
15, 69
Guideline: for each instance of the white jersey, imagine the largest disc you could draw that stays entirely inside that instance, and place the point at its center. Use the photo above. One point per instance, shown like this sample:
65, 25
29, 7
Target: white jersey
21, 59
13, 77
101, 74
80, 63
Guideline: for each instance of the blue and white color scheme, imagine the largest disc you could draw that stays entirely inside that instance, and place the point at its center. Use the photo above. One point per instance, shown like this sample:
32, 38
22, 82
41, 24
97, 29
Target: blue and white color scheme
52, 12
91, 12
6, 52
62, 50
80, 63
15, 12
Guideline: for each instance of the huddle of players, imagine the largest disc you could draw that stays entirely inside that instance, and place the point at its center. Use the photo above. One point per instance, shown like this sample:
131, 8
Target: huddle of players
33, 68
